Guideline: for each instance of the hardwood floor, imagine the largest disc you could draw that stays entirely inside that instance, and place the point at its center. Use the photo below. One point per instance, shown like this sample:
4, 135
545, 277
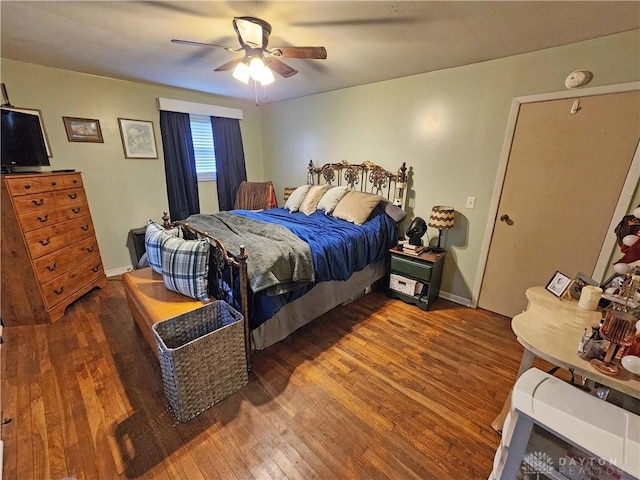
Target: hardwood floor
373, 390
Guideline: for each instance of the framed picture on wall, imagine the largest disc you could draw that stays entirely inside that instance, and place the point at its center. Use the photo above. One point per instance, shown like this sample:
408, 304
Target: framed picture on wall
558, 284
83, 130
138, 138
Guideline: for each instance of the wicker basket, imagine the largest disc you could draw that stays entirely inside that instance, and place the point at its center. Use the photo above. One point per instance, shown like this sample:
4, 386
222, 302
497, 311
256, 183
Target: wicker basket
202, 357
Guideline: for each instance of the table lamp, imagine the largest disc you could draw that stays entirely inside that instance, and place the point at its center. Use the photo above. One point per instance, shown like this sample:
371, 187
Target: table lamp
441, 218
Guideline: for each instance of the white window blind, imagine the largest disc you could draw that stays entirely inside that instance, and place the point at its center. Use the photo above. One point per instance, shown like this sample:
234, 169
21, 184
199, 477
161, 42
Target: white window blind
202, 136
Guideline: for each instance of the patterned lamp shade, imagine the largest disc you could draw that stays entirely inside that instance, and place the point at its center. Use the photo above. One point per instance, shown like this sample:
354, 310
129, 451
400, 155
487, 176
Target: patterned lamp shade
441, 218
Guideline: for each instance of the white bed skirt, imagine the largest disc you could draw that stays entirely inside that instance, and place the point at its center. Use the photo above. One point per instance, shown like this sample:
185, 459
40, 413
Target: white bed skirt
320, 299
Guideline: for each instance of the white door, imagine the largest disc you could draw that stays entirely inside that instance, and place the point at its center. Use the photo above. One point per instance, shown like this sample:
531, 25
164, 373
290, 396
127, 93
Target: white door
564, 177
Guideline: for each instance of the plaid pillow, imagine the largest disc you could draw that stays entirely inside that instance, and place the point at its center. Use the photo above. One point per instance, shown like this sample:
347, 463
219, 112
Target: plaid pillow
153, 236
185, 266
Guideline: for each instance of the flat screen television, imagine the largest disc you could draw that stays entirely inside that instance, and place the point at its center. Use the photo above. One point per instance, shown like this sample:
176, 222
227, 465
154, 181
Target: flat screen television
22, 141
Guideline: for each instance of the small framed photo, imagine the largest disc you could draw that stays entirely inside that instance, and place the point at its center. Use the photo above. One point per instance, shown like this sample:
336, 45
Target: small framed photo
581, 281
138, 139
558, 284
83, 130
38, 113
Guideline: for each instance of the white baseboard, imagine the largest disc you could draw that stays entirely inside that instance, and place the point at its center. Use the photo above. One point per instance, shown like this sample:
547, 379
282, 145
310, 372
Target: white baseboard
455, 298
118, 271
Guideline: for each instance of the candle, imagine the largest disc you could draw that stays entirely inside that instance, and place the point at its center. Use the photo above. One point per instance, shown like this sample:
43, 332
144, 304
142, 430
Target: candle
589, 297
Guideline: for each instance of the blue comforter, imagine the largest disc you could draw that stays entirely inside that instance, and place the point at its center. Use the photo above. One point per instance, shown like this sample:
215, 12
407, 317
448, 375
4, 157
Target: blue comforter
338, 248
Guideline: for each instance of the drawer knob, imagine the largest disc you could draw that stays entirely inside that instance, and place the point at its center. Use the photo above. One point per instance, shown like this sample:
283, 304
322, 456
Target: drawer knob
51, 268
59, 291
72, 196
27, 186
75, 180
84, 227
37, 203
43, 219
95, 269
44, 243
89, 249
76, 210
53, 184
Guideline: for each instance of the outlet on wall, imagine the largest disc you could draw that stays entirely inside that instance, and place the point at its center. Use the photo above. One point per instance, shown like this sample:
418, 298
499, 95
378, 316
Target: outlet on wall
471, 202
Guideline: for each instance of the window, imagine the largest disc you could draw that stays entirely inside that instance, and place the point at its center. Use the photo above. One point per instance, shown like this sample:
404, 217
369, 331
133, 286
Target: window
202, 135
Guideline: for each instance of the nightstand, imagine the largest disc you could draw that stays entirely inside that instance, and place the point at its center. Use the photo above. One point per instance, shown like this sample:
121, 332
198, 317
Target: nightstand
425, 268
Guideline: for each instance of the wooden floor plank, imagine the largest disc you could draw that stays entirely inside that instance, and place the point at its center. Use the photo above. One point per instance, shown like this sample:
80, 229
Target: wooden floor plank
377, 389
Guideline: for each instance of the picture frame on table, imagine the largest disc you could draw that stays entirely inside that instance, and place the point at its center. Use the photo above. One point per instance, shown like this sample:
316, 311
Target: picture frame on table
83, 130
138, 138
38, 113
580, 281
558, 284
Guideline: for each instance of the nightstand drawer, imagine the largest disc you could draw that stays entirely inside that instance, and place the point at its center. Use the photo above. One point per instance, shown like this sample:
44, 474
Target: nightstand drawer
413, 268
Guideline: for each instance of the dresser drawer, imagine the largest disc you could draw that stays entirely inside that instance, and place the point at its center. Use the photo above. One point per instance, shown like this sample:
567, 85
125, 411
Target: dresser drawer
70, 197
55, 264
25, 185
73, 180
412, 268
70, 282
40, 218
74, 211
50, 239
26, 204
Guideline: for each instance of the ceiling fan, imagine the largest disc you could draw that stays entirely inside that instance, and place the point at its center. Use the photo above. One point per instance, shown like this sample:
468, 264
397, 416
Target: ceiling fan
259, 60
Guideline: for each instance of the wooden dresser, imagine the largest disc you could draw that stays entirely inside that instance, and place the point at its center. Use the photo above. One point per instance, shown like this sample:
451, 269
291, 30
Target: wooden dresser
50, 255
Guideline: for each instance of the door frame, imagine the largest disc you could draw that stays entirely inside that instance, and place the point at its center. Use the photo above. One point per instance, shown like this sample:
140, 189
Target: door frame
630, 184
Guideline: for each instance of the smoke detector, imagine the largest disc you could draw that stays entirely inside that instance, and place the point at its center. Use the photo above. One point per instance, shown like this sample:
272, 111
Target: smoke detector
577, 79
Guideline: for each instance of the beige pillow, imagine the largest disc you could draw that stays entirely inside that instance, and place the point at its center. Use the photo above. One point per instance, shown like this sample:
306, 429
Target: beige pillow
355, 207
310, 202
296, 198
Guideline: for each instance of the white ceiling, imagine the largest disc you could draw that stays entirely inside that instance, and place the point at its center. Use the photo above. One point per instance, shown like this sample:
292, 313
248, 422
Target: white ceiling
366, 41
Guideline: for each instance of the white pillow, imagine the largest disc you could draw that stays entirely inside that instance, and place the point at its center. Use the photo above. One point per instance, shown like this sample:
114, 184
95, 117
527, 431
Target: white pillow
296, 198
330, 199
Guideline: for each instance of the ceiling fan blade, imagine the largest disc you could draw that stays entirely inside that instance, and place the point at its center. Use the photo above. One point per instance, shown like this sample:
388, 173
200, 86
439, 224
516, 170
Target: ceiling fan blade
279, 67
252, 32
199, 44
230, 65
319, 53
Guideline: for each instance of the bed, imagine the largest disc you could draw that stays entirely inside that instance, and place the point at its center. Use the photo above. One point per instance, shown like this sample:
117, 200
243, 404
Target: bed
293, 266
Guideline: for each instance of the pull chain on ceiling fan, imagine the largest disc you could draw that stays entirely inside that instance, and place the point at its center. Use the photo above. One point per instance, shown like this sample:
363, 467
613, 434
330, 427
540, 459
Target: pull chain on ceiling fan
259, 61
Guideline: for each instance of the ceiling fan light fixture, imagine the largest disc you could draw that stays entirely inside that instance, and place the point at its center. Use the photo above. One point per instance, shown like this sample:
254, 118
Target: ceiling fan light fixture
242, 72
267, 77
256, 68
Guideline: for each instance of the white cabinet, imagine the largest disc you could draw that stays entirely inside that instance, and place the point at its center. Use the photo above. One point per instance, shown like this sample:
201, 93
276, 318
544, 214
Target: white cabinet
555, 431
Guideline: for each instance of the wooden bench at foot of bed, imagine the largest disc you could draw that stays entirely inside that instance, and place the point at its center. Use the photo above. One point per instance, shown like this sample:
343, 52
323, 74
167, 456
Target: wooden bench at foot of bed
151, 302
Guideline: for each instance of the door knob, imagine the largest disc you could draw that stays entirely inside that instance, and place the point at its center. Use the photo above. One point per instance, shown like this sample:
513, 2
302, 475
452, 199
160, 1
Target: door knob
505, 218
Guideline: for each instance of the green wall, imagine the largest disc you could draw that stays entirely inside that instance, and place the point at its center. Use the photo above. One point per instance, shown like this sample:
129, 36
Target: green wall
123, 193
449, 126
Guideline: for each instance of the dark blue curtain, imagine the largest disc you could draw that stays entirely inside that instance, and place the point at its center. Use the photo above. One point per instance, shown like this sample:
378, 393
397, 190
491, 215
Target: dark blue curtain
230, 166
179, 164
